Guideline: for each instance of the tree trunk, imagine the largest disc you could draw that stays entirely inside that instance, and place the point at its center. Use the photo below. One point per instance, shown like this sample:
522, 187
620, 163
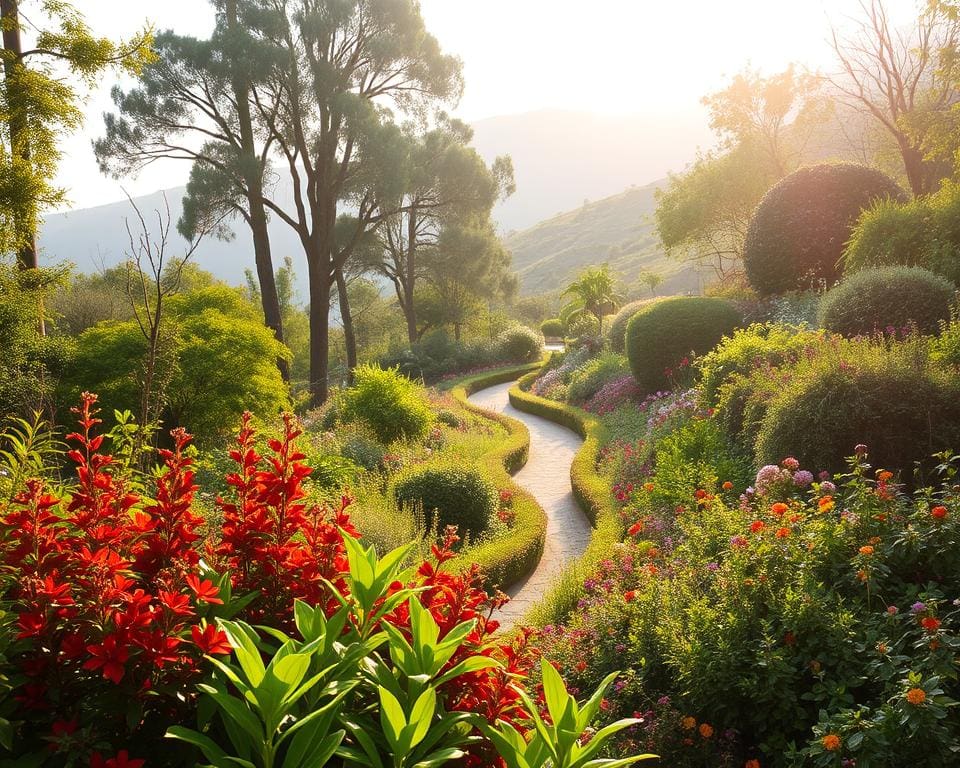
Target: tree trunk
19, 129
258, 218
319, 327
349, 337
410, 279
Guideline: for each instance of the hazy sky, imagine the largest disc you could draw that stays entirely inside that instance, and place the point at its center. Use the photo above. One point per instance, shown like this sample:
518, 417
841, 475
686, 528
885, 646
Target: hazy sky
621, 56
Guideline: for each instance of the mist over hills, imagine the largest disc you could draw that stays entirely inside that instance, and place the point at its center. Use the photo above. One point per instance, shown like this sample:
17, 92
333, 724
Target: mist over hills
561, 159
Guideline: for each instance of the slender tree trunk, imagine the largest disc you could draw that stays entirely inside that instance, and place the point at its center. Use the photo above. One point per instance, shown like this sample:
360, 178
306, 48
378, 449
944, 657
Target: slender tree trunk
319, 328
18, 127
349, 337
409, 283
253, 179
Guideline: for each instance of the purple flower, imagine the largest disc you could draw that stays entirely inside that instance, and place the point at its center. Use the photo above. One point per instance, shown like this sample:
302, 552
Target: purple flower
827, 488
664, 701
824, 476
918, 607
713, 567
802, 478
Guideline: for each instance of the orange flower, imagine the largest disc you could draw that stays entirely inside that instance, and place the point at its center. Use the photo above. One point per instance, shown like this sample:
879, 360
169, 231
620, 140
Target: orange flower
866, 550
706, 730
826, 504
884, 475
635, 529
782, 533
630, 595
689, 723
756, 526
831, 742
939, 512
727, 485
752, 764
916, 696
862, 575
930, 623
648, 487
748, 582
779, 509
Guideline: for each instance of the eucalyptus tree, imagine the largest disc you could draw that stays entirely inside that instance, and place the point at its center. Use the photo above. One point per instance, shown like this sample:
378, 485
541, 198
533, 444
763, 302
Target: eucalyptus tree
39, 104
339, 73
447, 183
193, 104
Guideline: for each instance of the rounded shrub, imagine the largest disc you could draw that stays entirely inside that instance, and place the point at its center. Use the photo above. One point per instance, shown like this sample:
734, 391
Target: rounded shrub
450, 495
552, 328
797, 233
448, 417
892, 400
898, 297
520, 344
661, 335
618, 328
391, 405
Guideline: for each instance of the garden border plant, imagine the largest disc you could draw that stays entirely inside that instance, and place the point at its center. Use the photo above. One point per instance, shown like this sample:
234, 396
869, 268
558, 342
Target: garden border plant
591, 492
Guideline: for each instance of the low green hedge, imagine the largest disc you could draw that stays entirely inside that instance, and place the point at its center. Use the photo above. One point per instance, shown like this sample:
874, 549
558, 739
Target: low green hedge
506, 560
592, 493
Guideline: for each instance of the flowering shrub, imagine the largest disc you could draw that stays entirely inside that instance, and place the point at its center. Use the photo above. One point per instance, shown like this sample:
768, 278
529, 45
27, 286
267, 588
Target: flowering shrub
614, 394
813, 622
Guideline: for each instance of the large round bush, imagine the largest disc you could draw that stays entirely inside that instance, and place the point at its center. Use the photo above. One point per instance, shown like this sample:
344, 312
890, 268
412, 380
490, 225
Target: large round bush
520, 344
450, 495
618, 328
391, 405
661, 335
797, 234
923, 232
898, 297
552, 328
893, 401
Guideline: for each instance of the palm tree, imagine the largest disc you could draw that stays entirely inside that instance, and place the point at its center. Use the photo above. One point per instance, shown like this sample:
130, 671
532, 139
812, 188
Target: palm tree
593, 293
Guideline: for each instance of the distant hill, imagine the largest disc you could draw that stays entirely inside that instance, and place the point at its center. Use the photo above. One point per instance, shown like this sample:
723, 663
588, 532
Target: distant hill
560, 159
617, 230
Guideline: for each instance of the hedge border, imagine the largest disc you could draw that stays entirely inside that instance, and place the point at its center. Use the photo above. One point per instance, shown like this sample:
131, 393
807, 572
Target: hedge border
506, 560
591, 492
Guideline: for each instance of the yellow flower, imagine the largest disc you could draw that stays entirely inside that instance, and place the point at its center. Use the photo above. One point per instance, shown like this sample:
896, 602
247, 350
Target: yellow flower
689, 723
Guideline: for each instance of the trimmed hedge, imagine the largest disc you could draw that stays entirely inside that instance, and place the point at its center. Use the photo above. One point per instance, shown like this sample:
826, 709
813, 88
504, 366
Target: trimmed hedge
797, 233
552, 328
591, 492
897, 297
618, 328
508, 559
450, 494
521, 344
661, 335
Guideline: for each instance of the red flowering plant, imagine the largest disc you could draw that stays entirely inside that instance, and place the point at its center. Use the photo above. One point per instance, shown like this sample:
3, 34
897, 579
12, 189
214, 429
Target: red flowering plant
108, 629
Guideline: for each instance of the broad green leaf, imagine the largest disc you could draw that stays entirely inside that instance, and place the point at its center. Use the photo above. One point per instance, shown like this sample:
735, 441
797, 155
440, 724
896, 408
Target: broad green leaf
421, 715
439, 758
470, 664
391, 718
205, 744
555, 692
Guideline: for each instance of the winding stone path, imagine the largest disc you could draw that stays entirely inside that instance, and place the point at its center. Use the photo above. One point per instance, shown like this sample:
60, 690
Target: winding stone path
546, 475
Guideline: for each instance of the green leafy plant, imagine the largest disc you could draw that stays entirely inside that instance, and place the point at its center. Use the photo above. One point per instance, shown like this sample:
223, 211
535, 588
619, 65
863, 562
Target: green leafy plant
387, 402
520, 344
450, 495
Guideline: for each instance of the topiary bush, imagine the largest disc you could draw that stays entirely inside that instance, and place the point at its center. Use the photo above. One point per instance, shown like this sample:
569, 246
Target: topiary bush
924, 232
450, 495
661, 335
391, 405
877, 299
552, 328
520, 344
618, 328
797, 233
886, 396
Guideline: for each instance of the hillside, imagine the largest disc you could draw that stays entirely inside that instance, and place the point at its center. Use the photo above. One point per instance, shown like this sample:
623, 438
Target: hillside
617, 230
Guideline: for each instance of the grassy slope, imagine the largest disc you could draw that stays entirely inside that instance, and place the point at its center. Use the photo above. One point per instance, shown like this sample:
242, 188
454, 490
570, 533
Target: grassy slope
617, 229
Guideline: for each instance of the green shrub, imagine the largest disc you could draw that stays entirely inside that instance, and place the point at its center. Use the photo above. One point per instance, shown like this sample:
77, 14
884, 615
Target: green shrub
587, 380
796, 236
897, 297
552, 328
924, 232
361, 448
661, 335
450, 495
387, 402
759, 345
887, 397
520, 344
945, 349
448, 417
618, 328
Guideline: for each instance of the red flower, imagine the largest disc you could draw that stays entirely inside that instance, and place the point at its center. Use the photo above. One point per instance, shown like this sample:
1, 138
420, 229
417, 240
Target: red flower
930, 623
939, 512
783, 533
756, 526
122, 760
635, 529
779, 509
176, 602
630, 595
110, 657
211, 640
204, 590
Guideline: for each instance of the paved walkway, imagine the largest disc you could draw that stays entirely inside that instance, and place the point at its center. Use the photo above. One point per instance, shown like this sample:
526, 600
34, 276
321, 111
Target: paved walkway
546, 476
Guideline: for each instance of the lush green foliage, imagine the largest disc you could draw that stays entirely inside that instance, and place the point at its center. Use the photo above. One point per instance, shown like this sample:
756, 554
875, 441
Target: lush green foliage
553, 327
923, 232
593, 293
887, 396
618, 328
450, 494
662, 336
889, 299
797, 233
587, 380
520, 344
387, 402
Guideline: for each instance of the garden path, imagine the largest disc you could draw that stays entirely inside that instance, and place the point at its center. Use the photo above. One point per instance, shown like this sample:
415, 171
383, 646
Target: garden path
546, 476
